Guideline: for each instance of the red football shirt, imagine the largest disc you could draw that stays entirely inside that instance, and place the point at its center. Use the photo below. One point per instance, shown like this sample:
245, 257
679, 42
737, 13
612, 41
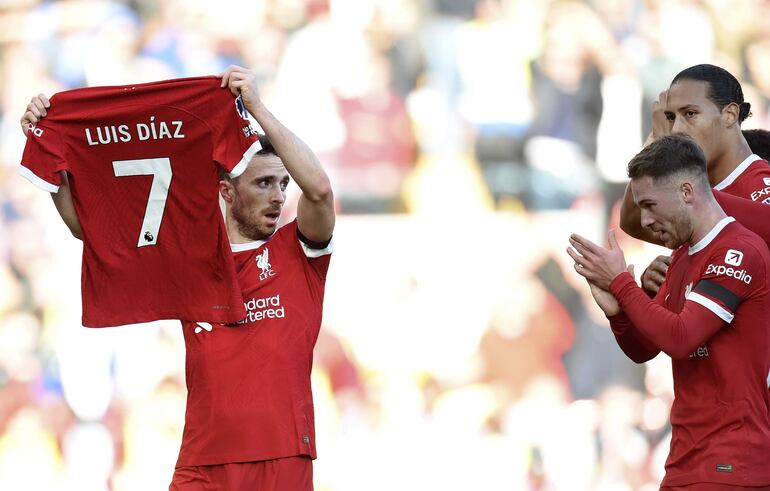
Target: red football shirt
721, 413
751, 179
248, 384
143, 163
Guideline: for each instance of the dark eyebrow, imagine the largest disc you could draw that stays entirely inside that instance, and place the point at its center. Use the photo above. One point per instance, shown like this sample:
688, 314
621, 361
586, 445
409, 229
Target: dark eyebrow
688, 106
645, 202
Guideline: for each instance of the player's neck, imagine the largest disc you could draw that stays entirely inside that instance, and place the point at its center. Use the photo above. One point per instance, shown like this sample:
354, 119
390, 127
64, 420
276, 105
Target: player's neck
726, 163
234, 234
706, 219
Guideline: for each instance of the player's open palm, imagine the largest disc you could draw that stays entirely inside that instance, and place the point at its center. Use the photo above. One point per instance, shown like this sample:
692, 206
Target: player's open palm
661, 126
595, 263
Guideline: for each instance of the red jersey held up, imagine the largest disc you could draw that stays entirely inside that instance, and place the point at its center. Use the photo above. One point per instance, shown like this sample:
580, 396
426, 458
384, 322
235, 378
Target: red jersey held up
248, 384
144, 165
712, 316
751, 180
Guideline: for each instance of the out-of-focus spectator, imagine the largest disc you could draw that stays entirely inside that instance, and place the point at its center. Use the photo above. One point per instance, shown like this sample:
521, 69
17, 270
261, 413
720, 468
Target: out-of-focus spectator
757, 59
379, 148
592, 363
493, 58
567, 82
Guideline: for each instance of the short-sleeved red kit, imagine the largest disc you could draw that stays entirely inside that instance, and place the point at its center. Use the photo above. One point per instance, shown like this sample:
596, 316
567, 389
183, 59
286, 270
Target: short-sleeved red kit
144, 164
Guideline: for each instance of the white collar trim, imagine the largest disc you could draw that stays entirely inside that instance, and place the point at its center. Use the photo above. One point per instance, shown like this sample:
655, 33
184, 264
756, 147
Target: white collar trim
706, 240
737, 171
248, 246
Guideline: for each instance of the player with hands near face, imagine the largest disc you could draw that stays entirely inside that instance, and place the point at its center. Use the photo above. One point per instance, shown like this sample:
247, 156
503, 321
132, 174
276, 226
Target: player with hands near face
710, 316
599, 266
705, 102
249, 416
315, 210
249, 420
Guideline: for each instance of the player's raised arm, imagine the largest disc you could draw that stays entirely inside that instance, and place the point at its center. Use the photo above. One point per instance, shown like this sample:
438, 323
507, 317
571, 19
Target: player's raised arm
66, 208
37, 110
315, 211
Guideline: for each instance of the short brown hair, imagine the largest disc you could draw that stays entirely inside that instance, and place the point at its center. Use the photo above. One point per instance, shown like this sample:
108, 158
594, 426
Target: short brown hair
667, 156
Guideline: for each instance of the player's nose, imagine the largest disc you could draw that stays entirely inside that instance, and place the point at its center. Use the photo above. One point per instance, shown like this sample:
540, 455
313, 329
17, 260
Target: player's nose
678, 126
647, 220
278, 196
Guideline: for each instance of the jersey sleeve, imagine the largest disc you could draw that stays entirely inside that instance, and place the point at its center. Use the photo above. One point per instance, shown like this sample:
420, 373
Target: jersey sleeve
676, 334
43, 157
235, 140
728, 280
754, 215
630, 340
318, 255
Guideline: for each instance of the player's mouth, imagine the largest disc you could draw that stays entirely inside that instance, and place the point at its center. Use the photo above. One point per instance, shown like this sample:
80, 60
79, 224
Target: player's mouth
272, 217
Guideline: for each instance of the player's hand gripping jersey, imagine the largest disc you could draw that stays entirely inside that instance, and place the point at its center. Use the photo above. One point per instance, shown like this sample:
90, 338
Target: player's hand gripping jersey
143, 164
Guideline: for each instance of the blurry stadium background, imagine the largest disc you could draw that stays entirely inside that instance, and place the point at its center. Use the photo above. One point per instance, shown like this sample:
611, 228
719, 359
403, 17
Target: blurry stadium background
466, 139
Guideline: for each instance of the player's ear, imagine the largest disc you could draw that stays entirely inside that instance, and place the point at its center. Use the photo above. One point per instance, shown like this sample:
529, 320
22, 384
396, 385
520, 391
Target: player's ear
226, 190
730, 114
687, 189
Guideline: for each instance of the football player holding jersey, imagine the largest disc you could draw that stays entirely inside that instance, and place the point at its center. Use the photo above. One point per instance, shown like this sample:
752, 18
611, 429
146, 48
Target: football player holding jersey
249, 422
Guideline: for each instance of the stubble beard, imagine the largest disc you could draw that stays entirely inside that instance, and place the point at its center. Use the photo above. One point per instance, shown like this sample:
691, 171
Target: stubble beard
249, 226
681, 230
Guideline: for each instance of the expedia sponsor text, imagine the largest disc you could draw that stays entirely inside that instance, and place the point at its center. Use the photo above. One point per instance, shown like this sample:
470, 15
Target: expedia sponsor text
721, 270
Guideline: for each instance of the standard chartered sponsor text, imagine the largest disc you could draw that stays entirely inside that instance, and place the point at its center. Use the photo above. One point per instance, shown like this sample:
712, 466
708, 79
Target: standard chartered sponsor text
262, 308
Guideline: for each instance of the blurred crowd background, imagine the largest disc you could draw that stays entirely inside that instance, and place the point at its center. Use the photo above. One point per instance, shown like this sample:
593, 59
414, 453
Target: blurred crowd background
466, 139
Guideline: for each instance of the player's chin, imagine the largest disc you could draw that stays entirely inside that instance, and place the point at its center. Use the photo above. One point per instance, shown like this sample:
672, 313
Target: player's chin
256, 229
672, 242
268, 226
666, 239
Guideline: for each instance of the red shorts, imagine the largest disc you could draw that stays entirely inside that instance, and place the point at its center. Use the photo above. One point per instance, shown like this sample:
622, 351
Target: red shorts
707, 486
287, 474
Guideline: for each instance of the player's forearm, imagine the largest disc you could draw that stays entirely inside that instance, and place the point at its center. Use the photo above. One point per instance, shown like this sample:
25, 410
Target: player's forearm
631, 342
753, 215
677, 335
66, 208
300, 161
631, 219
